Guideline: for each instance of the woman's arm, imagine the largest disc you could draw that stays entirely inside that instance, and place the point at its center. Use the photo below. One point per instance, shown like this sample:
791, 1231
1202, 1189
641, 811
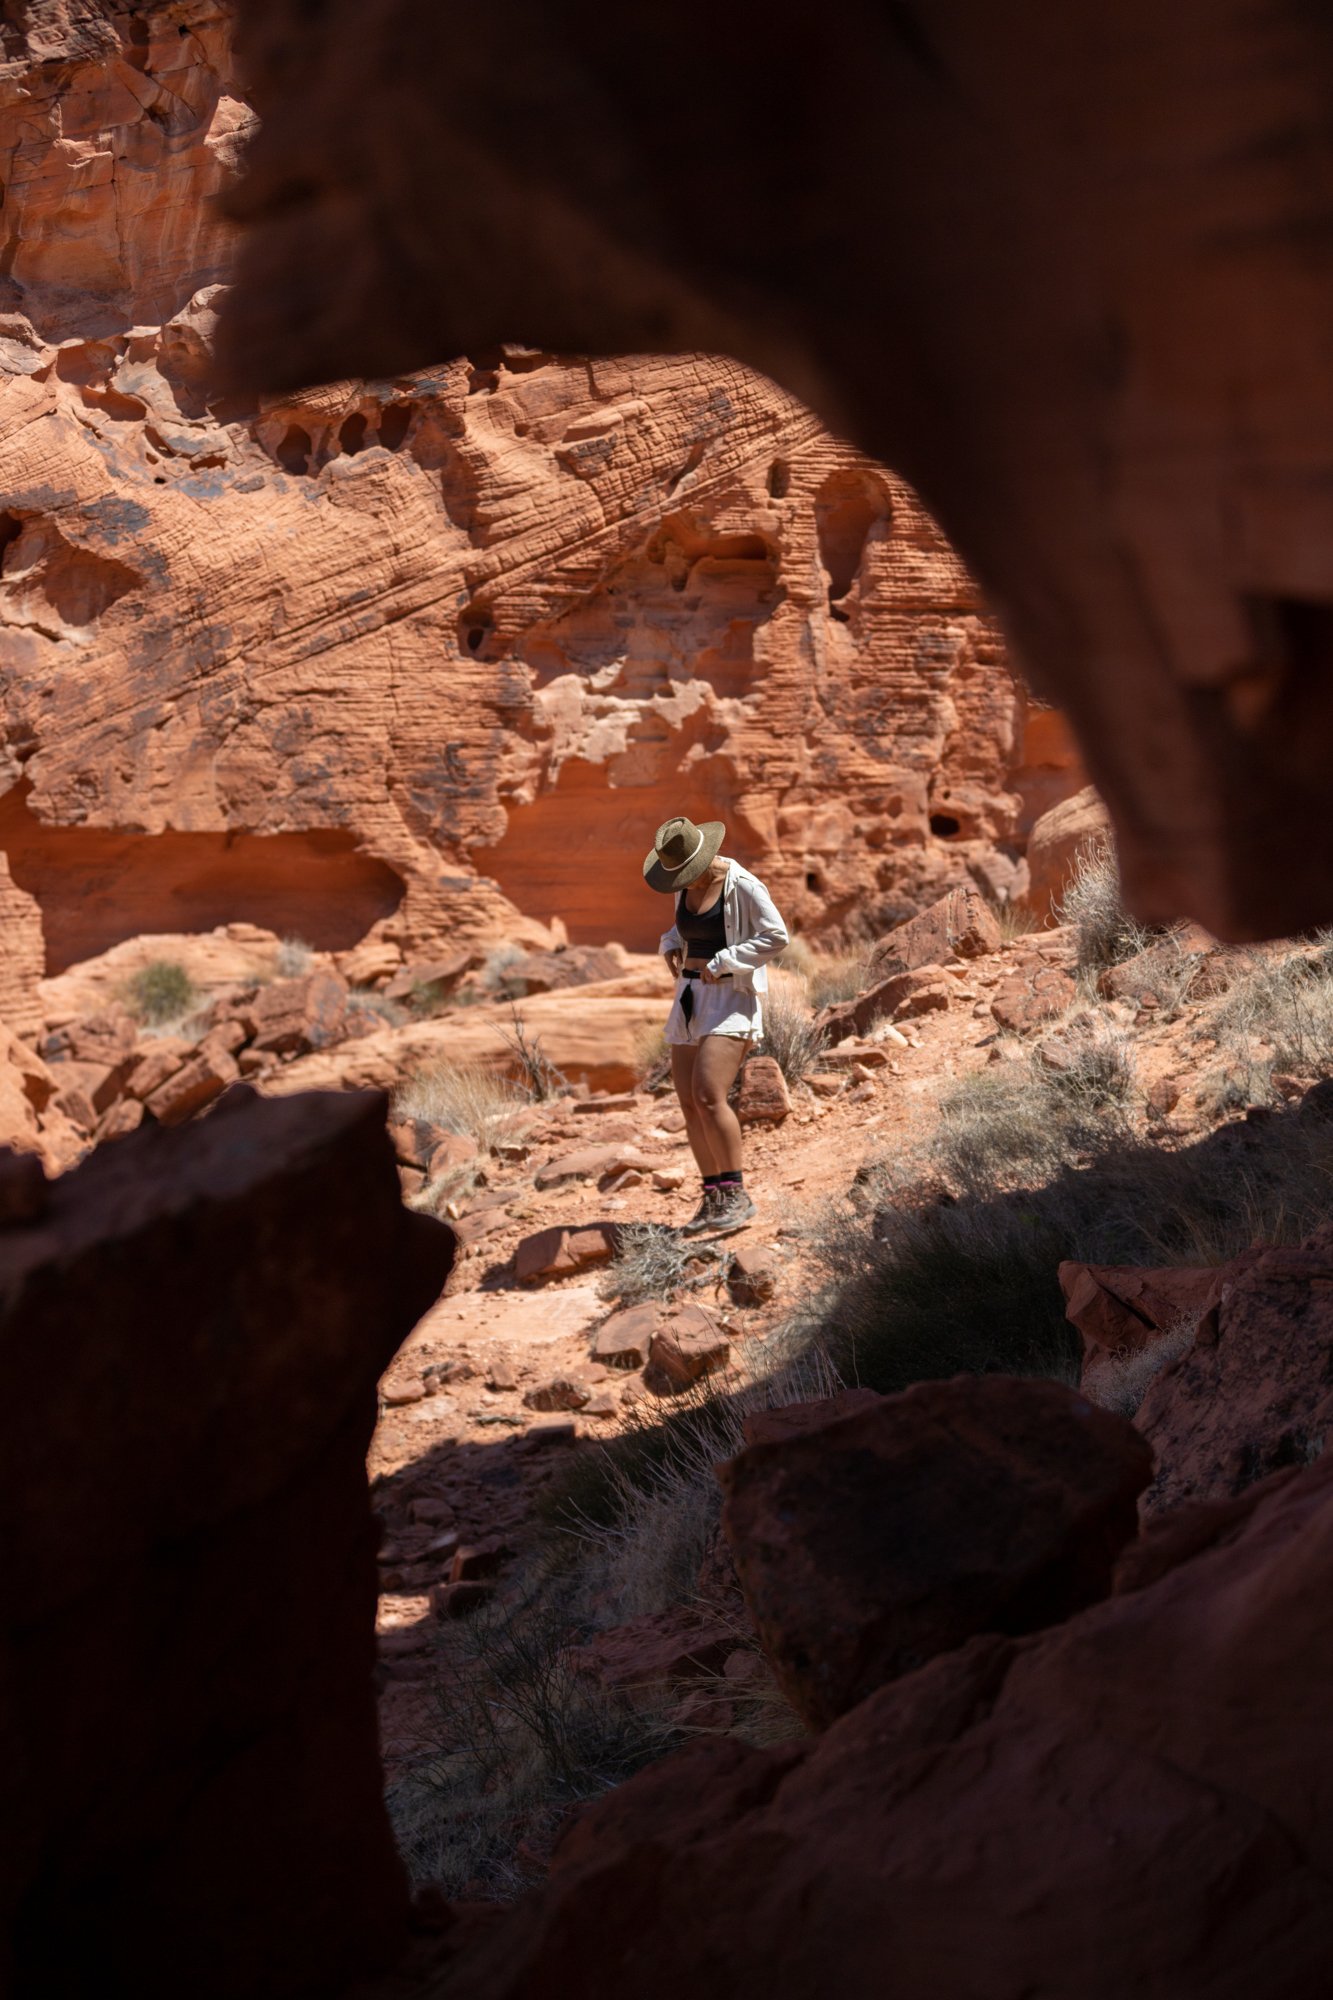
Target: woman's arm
768, 934
672, 949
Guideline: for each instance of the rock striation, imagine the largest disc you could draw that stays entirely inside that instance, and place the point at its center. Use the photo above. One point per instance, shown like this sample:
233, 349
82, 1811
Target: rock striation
421, 661
964, 271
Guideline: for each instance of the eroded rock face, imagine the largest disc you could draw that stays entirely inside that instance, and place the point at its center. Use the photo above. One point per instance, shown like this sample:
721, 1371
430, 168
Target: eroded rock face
190, 1334
973, 283
423, 661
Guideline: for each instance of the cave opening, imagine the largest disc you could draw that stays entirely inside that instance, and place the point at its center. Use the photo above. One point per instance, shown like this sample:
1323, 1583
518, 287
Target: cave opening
294, 451
945, 826
11, 527
848, 506
352, 436
395, 422
97, 886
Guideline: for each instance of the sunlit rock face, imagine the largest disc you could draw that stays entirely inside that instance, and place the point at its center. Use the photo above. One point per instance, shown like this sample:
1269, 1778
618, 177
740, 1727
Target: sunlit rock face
428, 658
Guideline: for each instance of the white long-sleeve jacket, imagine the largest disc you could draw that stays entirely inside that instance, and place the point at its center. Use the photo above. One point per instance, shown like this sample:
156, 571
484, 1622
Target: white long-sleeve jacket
755, 932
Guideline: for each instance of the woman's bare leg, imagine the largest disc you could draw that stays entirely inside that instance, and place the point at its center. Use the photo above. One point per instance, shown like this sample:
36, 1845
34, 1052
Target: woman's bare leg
684, 1056
716, 1062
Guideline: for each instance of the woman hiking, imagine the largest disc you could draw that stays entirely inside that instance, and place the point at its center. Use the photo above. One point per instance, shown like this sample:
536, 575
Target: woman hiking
726, 928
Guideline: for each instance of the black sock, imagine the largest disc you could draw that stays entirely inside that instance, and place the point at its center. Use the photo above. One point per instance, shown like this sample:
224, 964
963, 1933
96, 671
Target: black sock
733, 1178
711, 1180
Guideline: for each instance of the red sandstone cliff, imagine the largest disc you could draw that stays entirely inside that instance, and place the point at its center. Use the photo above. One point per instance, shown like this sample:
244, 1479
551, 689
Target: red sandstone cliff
427, 657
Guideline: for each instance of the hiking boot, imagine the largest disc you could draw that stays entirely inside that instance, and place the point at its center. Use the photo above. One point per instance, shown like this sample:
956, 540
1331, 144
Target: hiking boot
732, 1209
704, 1216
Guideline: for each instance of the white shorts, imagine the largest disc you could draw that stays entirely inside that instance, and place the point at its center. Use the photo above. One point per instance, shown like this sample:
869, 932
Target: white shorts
718, 1010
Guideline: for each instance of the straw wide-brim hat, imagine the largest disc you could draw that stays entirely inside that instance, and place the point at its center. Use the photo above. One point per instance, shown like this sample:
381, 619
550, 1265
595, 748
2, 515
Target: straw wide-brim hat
681, 851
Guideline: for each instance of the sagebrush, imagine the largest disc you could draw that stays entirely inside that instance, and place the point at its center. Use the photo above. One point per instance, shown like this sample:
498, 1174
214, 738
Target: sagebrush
160, 991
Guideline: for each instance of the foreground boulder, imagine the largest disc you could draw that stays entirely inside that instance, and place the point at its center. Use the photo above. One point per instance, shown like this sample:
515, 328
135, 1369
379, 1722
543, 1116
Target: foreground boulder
190, 1338
867, 1546
960, 925
1138, 1801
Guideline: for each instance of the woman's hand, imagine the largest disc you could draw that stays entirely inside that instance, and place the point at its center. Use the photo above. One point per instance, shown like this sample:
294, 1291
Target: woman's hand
710, 978
675, 959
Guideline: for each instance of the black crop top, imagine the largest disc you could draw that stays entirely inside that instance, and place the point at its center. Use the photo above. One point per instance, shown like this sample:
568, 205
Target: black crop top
704, 931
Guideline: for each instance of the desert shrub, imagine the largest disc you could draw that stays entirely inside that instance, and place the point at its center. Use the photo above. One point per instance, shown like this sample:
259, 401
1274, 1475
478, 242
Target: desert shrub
924, 1287
652, 1058
520, 1737
365, 1000
790, 1035
1021, 1121
829, 976
160, 991
461, 1097
651, 1262
1015, 920
1278, 1015
293, 959
1124, 1380
539, 1077
1106, 934
497, 977
837, 977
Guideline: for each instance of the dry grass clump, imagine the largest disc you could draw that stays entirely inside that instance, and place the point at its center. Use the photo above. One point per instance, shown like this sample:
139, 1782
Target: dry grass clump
497, 978
790, 1035
829, 976
1275, 1017
925, 1287
160, 992
651, 1263
520, 1736
293, 959
1124, 1381
386, 1012
462, 1097
1106, 934
652, 1057
1021, 1121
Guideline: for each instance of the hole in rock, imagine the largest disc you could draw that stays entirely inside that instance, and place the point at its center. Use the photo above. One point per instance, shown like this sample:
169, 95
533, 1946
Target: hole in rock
779, 479
847, 507
476, 629
294, 451
944, 825
97, 887
395, 422
352, 436
813, 883
10, 529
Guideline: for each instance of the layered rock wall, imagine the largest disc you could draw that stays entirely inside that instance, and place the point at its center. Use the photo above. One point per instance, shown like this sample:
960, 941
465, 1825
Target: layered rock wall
428, 658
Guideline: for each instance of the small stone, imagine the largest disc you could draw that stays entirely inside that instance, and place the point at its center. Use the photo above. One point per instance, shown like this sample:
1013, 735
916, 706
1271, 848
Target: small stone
500, 1375
861, 1093
623, 1341
122, 1119
753, 1277
763, 1098
687, 1347
631, 1178
557, 1394
668, 1180
1164, 1094
556, 1252
405, 1389
431, 1513
823, 1085
461, 1600
479, 1559
603, 1404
